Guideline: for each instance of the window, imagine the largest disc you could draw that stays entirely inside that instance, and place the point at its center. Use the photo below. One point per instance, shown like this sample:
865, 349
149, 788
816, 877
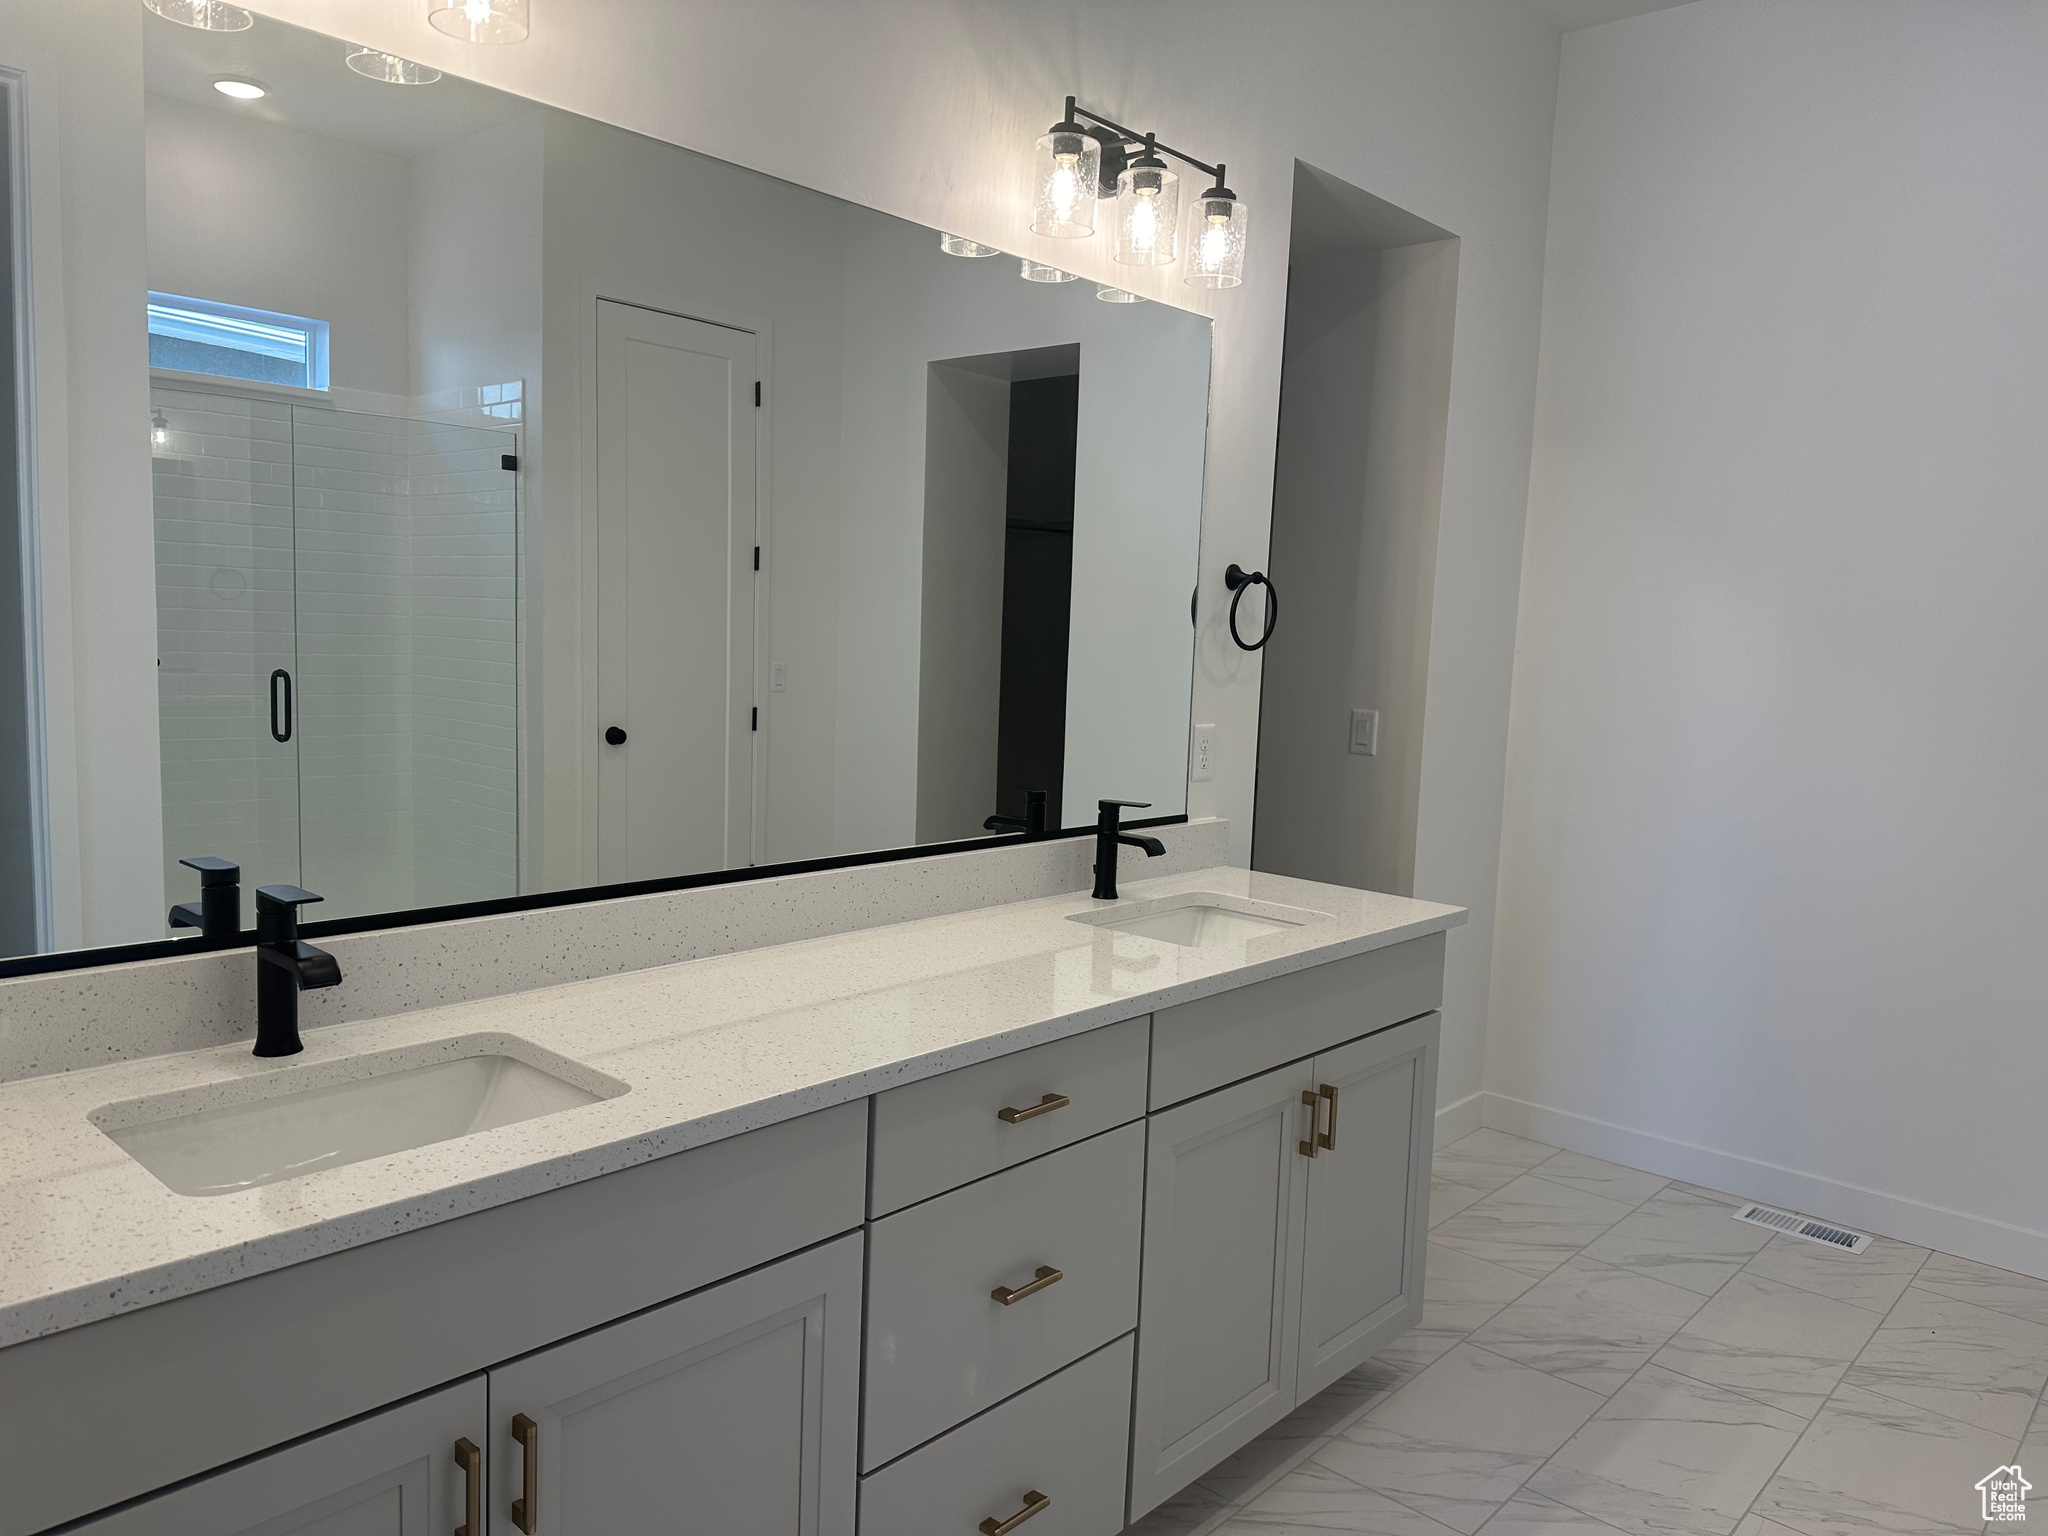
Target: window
200, 336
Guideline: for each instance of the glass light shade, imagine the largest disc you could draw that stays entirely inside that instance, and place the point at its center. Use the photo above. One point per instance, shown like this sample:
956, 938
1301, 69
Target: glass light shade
206, 15
480, 21
159, 432
1109, 294
1066, 171
1147, 216
1216, 242
390, 68
960, 245
1039, 272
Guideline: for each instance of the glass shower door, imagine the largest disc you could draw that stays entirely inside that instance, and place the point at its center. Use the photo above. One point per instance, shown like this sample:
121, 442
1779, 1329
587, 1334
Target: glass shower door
408, 722
338, 652
222, 470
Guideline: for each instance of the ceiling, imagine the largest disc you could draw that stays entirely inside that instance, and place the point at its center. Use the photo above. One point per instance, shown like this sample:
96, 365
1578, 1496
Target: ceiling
313, 90
1571, 15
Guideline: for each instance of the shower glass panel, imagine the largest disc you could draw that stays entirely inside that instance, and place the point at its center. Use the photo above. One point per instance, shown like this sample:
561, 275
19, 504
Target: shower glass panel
223, 492
397, 780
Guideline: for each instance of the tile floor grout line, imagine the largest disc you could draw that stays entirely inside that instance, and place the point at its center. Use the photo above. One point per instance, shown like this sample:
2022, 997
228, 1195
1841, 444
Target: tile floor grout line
1611, 1396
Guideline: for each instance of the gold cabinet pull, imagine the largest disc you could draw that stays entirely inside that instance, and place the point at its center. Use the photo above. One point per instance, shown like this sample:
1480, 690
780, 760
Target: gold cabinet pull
526, 1508
1044, 1106
1035, 1503
471, 1460
1315, 1143
1046, 1275
1328, 1139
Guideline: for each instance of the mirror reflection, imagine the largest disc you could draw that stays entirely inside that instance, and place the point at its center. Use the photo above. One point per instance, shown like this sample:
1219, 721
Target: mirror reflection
539, 506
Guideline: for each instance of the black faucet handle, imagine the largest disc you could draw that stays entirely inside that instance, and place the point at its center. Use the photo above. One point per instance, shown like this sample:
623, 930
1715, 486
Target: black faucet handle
213, 871
1133, 805
286, 897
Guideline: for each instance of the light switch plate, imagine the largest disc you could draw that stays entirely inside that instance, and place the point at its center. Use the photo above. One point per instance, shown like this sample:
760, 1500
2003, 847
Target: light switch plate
1365, 732
1202, 761
778, 677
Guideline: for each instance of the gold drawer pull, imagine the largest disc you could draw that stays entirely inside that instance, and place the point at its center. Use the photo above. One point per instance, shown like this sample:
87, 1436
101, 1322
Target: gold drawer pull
1044, 1106
1047, 1275
1320, 1140
471, 1460
1035, 1503
526, 1508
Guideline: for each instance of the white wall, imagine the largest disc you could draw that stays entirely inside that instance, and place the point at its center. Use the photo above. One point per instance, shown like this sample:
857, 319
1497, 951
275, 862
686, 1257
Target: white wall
1355, 507
1442, 107
247, 212
1771, 888
82, 64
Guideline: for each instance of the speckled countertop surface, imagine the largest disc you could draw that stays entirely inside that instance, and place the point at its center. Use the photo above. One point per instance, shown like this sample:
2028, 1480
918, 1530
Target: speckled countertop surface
708, 1048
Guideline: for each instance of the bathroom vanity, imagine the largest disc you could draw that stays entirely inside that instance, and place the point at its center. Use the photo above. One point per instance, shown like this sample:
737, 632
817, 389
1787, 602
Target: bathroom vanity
1022, 1217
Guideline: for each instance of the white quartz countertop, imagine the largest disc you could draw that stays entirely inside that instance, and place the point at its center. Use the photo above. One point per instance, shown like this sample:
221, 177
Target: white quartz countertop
707, 1048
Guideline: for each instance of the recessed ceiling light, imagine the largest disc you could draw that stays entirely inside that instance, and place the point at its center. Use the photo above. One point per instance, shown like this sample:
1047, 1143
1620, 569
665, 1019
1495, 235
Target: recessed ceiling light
241, 89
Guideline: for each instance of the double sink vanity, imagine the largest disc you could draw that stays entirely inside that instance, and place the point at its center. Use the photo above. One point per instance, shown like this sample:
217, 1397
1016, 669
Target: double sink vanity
1016, 1219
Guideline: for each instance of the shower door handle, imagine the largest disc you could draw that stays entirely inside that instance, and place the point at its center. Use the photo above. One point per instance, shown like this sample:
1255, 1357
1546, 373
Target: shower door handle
280, 717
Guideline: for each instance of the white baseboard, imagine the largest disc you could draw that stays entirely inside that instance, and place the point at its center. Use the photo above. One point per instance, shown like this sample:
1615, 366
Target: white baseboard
1982, 1238
1460, 1119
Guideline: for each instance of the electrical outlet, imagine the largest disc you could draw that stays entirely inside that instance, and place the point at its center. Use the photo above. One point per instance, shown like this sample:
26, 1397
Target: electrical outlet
778, 678
1365, 732
1202, 761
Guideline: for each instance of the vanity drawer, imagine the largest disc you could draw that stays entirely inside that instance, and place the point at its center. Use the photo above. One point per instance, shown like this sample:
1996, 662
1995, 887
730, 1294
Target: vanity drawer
935, 1135
940, 1347
1241, 1033
1065, 1439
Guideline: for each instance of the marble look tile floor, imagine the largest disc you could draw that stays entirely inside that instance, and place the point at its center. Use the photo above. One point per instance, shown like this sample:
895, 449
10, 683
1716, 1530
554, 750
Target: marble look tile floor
1604, 1350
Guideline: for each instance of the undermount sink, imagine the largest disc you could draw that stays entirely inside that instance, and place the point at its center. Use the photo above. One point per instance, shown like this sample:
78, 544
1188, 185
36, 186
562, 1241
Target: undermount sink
334, 1113
1200, 919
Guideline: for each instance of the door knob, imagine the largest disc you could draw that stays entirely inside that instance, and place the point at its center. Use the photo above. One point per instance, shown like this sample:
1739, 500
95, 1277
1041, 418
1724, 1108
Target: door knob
614, 736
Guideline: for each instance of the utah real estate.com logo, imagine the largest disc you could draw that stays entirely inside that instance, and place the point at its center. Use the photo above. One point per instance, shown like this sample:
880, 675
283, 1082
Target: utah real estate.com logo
2005, 1495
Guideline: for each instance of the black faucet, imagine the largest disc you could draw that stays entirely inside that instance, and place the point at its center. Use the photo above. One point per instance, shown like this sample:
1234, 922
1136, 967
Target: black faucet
1108, 835
217, 914
1031, 823
285, 966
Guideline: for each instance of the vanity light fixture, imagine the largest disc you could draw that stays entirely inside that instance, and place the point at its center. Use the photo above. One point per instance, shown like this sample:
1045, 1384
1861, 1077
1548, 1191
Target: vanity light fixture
241, 88
1145, 227
1216, 249
960, 245
390, 68
159, 431
1067, 173
1041, 272
480, 21
206, 15
1109, 293
1147, 232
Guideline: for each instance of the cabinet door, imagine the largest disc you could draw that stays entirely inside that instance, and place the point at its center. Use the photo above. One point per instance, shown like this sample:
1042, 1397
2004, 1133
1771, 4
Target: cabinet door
1224, 1195
391, 1474
734, 1410
1368, 1200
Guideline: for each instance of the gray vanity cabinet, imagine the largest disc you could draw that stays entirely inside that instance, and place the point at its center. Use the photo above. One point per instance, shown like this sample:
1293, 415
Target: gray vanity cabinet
1285, 1223
735, 1409
1224, 1205
392, 1473
1366, 1236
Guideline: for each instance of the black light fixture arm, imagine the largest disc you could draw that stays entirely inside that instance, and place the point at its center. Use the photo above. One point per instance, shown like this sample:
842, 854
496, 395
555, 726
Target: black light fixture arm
1077, 113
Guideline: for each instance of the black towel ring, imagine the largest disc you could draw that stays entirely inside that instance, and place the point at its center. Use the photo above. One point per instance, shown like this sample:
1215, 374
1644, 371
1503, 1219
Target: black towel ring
1241, 581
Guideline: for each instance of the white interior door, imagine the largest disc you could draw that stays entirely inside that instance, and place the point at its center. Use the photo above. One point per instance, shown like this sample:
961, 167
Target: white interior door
675, 554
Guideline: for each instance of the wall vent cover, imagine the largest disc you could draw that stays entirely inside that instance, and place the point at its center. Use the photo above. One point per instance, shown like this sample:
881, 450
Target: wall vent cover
1801, 1226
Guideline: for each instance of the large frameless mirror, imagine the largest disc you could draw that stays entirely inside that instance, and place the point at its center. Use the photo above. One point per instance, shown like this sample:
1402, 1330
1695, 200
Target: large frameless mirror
534, 506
